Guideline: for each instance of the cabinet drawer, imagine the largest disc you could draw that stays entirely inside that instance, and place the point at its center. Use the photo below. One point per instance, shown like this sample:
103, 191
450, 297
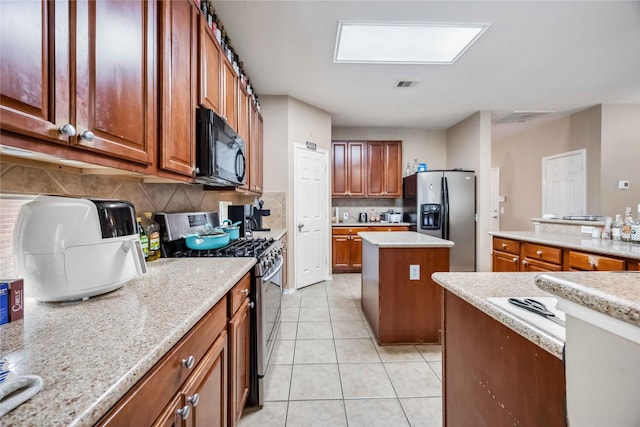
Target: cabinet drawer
582, 261
543, 253
142, 404
239, 293
506, 245
349, 230
389, 228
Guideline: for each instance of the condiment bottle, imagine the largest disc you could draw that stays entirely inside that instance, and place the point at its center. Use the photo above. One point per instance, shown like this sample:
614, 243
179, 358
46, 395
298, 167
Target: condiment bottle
152, 229
144, 239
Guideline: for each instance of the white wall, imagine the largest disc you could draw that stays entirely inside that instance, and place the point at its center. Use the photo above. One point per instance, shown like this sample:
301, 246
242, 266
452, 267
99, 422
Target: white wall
428, 146
288, 121
620, 158
469, 147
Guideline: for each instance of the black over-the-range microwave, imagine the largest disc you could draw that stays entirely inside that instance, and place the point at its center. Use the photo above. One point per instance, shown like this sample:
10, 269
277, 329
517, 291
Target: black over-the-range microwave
220, 152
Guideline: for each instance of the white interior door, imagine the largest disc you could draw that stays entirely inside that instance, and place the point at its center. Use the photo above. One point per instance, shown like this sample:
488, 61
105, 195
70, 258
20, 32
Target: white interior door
495, 199
311, 213
564, 184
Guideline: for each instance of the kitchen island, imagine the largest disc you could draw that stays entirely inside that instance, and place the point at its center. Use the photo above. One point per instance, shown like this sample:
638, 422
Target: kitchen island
399, 299
91, 353
497, 368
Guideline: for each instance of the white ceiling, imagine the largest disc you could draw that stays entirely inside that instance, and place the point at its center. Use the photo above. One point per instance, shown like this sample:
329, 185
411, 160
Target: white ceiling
537, 55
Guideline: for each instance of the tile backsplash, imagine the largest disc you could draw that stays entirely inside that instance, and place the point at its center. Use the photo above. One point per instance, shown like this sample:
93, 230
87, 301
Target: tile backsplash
353, 207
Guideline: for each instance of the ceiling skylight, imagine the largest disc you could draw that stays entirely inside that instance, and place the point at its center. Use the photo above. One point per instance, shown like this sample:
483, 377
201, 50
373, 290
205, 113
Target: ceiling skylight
404, 42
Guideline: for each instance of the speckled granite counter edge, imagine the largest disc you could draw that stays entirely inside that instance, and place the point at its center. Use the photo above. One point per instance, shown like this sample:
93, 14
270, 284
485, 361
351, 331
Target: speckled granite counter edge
599, 301
526, 330
371, 224
375, 239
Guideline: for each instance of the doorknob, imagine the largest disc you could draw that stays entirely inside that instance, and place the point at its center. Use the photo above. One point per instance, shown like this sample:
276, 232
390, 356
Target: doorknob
300, 226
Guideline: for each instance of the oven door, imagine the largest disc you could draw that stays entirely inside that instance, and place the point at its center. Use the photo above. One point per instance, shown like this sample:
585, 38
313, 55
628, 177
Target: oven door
268, 311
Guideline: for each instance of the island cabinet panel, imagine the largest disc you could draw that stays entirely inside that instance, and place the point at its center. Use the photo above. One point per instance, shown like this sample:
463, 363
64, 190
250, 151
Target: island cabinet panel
495, 377
401, 310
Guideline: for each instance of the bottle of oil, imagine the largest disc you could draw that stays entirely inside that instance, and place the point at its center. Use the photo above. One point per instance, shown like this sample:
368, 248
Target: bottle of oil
152, 229
144, 239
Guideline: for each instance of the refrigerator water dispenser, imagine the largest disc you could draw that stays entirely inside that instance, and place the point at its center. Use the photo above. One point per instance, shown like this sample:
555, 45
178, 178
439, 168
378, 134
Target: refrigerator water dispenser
431, 216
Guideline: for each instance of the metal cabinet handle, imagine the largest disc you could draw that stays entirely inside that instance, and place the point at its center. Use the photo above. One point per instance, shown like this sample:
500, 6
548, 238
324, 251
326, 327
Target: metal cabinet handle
193, 400
504, 245
87, 135
524, 262
184, 412
252, 304
515, 259
244, 291
188, 362
539, 253
68, 130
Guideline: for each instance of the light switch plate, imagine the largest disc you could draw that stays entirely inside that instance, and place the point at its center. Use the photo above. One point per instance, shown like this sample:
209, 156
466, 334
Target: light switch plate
414, 272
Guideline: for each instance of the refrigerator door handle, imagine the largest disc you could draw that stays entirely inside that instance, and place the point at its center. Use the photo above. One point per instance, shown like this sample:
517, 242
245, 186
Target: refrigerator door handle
445, 227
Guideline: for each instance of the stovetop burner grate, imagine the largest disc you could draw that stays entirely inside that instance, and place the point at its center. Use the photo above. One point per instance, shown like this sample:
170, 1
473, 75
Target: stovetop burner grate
250, 247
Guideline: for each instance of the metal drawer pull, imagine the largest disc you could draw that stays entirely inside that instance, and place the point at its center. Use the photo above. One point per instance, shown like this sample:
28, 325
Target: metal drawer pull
87, 135
515, 259
539, 253
188, 362
193, 400
68, 130
183, 412
244, 291
252, 304
504, 245
524, 262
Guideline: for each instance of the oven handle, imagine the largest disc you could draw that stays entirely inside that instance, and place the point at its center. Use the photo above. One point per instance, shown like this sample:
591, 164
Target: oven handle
270, 276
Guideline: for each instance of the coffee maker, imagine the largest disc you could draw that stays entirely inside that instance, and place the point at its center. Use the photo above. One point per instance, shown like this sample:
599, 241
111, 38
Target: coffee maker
242, 214
257, 215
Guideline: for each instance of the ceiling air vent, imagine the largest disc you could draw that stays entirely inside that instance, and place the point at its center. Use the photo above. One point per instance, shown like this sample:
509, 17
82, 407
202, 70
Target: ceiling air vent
406, 83
522, 116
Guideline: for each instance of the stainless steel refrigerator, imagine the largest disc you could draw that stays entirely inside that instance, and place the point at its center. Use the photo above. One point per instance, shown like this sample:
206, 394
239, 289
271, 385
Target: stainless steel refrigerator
442, 203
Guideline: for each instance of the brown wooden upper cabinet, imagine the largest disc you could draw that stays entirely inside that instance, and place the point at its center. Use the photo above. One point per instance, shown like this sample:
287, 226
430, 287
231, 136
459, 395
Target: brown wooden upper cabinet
209, 67
384, 169
256, 150
243, 104
112, 110
348, 169
178, 83
229, 94
366, 169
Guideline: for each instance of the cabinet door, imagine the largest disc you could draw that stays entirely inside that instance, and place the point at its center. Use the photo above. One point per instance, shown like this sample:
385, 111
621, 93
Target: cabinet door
243, 132
238, 362
504, 262
178, 98
339, 170
257, 147
206, 390
392, 170
375, 169
230, 94
356, 252
34, 68
340, 252
171, 415
533, 265
356, 169
209, 58
116, 78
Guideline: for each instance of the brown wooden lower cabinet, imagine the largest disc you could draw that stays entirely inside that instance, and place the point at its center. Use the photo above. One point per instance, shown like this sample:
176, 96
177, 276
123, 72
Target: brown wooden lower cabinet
346, 247
203, 380
513, 256
493, 376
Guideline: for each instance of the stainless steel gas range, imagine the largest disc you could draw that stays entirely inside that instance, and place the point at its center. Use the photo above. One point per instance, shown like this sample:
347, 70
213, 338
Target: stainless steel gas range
266, 282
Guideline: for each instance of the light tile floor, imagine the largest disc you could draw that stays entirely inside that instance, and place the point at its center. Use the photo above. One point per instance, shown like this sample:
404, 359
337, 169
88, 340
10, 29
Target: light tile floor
327, 370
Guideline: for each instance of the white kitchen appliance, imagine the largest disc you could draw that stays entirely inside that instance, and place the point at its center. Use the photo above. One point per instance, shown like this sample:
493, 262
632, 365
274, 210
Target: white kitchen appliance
71, 248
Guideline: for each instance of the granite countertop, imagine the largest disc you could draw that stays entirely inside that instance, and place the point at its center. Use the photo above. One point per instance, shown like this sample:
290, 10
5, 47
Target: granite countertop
370, 224
275, 233
476, 288
90, 353
404, 239
568, 222
616, 294
582, 243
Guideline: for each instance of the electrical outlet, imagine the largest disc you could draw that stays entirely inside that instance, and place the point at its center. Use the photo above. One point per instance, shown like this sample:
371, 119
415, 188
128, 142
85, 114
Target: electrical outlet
623, 185
414, 272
